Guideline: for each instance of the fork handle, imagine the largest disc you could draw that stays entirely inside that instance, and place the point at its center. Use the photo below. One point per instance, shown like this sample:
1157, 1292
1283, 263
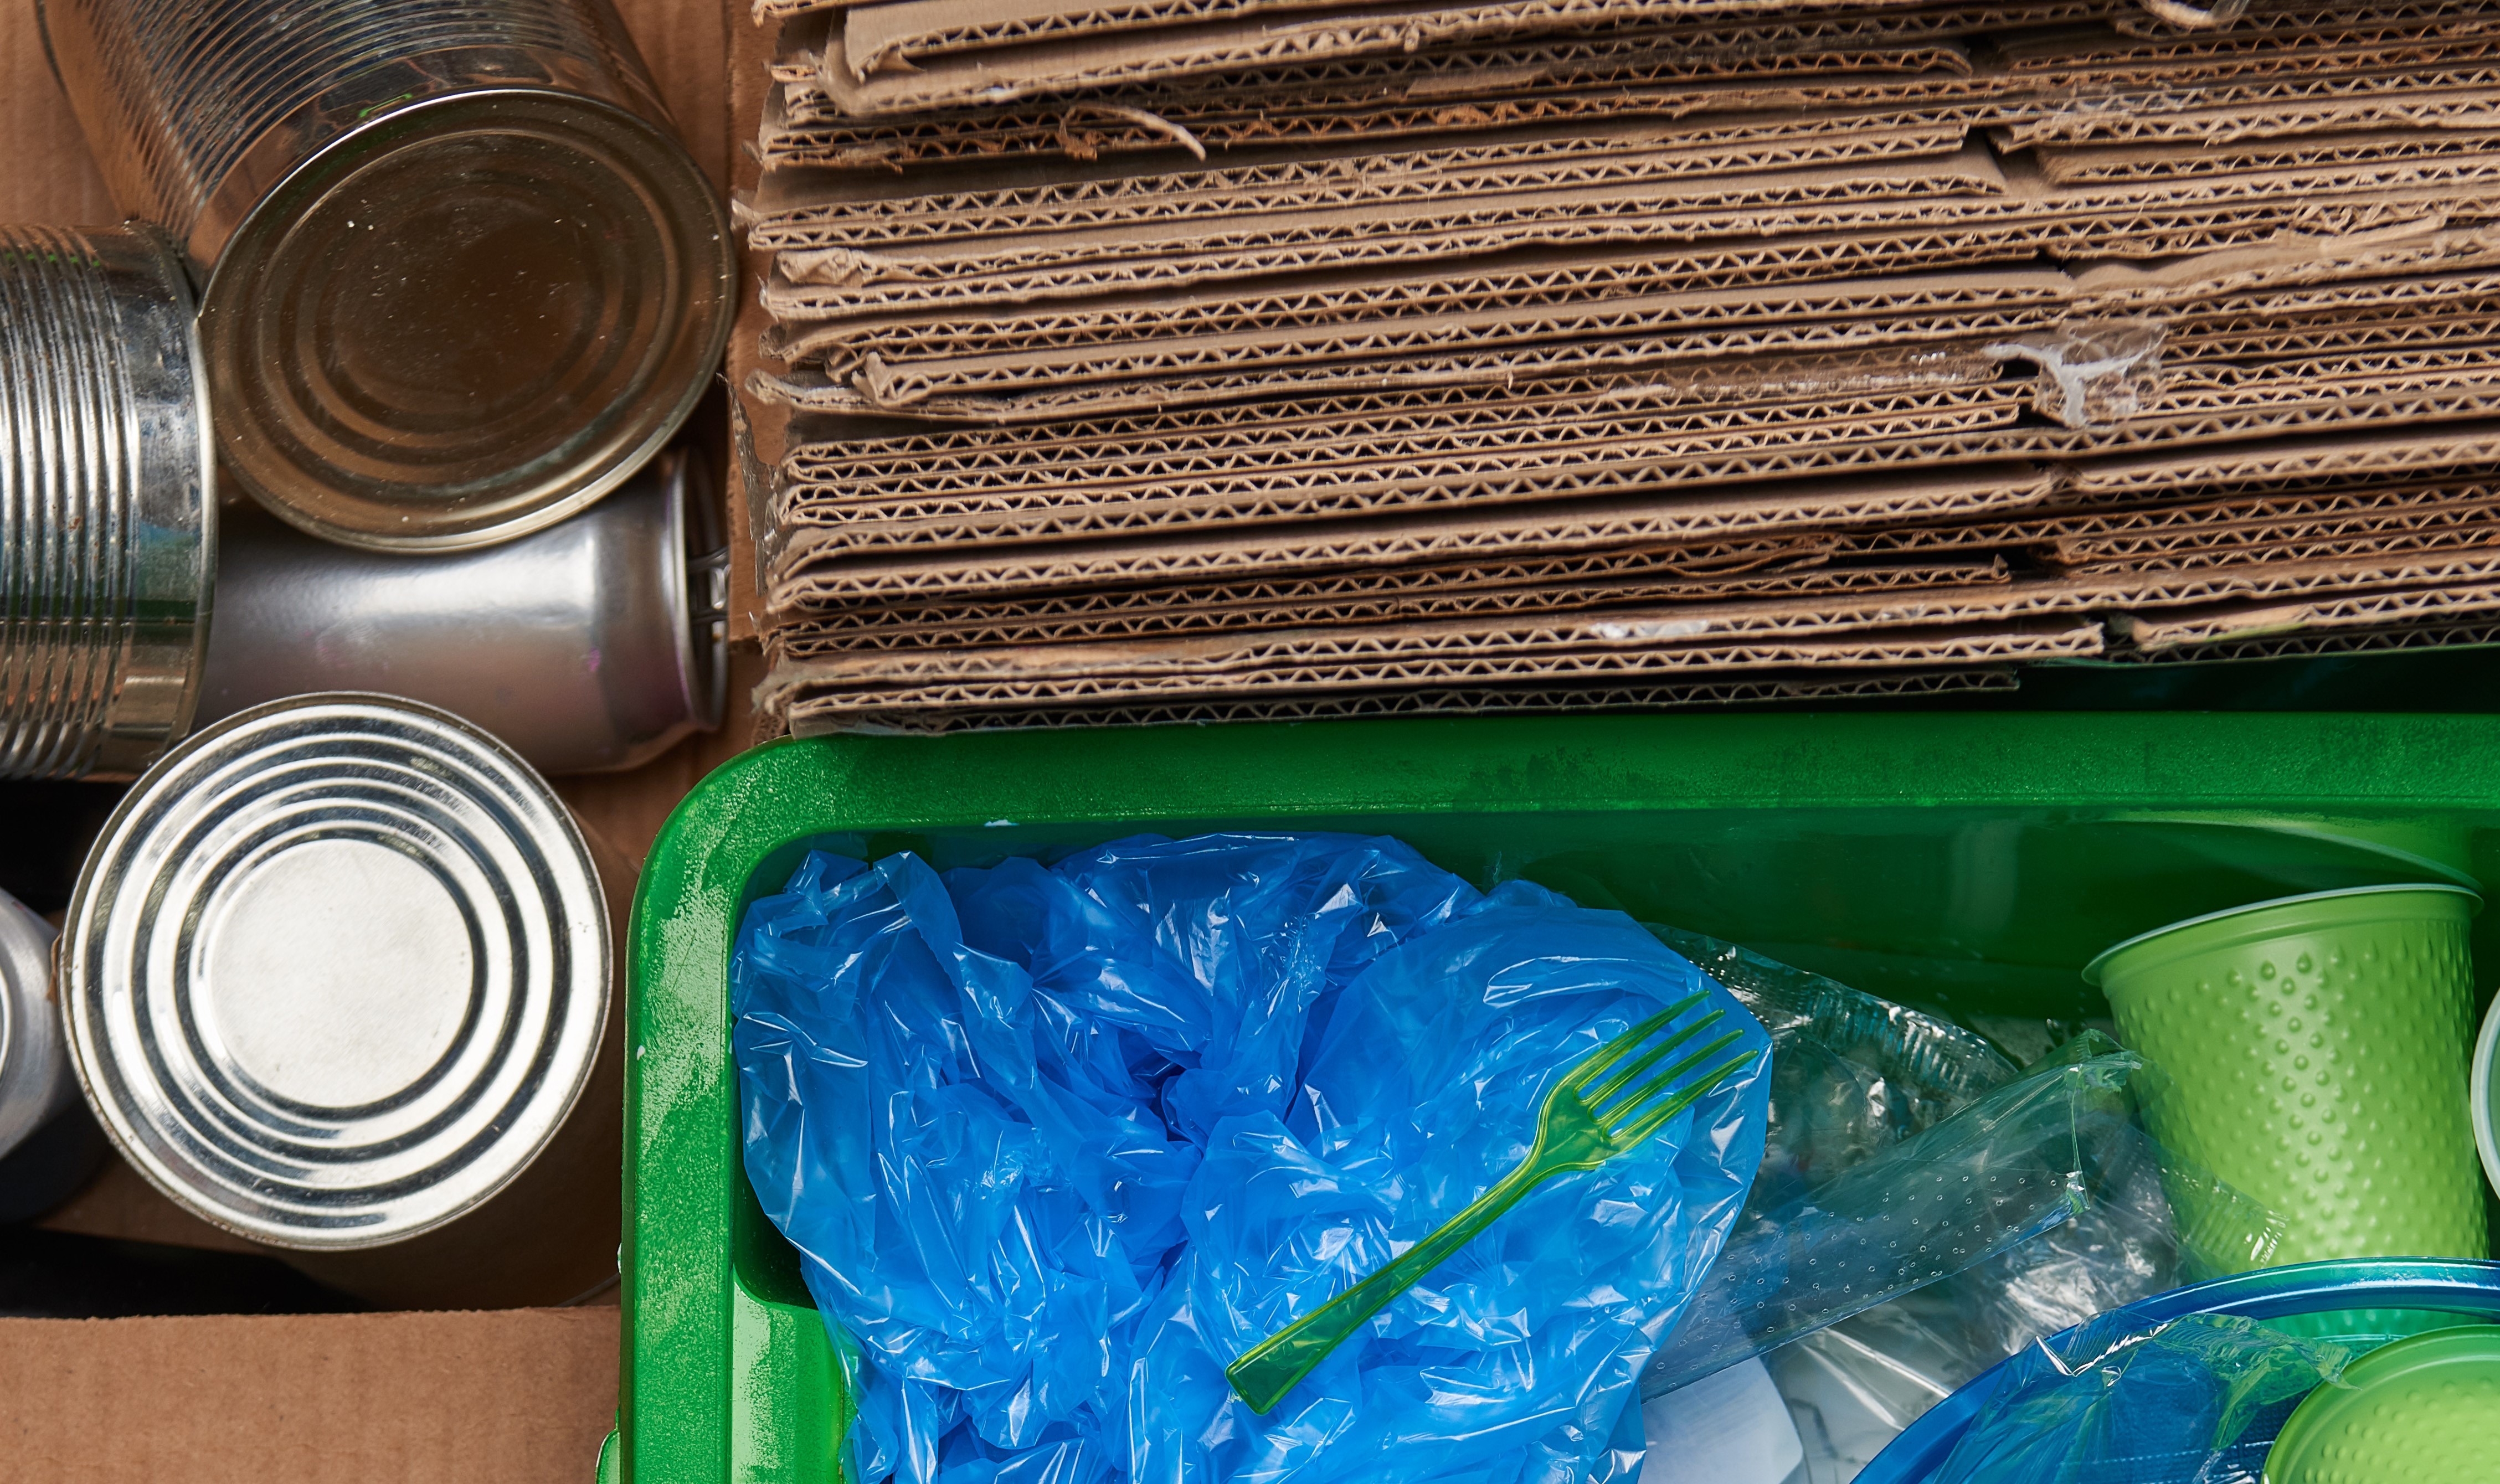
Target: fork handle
1269, 1369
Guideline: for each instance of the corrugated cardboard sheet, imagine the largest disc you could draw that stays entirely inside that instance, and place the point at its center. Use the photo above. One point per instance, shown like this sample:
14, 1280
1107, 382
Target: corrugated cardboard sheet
1130, 357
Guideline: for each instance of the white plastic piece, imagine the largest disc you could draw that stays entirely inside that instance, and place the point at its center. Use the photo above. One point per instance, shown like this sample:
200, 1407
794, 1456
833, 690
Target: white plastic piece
1731, 1428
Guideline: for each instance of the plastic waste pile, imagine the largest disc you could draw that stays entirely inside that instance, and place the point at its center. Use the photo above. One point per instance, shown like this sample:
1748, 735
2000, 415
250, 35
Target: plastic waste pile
1297, 1156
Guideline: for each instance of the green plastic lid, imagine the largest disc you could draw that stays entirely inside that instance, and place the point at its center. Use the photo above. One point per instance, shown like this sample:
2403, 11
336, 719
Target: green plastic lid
2425, 1410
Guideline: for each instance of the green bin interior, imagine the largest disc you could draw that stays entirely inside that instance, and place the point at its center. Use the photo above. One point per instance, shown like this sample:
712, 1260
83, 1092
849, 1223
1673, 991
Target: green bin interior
1971, 862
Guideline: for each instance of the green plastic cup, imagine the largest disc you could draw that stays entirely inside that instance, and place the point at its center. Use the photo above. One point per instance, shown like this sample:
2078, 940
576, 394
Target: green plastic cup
2425, 1410
2309, 1054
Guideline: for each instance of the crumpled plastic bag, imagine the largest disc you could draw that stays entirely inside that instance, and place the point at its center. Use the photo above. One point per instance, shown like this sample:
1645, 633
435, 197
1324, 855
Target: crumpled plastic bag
2196, 1400
1059, 1144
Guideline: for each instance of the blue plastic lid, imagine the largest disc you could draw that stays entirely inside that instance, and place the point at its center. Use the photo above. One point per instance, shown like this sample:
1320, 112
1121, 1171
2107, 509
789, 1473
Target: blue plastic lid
2463, 1288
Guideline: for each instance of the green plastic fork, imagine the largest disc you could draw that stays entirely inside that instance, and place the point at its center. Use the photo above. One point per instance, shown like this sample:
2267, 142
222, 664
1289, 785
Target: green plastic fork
1577, 1129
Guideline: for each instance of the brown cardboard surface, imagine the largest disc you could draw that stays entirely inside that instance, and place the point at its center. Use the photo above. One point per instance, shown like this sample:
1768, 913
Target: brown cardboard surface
45, 174
119, 1203
1264, 356
514, 1397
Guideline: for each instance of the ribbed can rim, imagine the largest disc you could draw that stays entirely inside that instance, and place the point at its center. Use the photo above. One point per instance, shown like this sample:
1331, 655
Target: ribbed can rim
336, 970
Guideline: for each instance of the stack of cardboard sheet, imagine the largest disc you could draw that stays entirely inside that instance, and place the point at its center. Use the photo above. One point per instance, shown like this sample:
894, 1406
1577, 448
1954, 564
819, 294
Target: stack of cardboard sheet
1166, 359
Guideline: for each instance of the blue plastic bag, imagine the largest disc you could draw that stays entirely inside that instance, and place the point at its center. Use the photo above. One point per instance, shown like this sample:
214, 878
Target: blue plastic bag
1059, 1144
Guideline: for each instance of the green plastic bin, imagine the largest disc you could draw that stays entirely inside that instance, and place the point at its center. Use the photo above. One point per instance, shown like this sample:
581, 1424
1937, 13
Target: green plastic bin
1968, 860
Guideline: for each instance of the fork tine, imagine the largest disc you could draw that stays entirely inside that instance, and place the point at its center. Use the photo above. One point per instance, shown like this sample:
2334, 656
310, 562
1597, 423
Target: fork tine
1635, 1068
1615, 1051
1700, 1088
1631, 1104
1685, 1097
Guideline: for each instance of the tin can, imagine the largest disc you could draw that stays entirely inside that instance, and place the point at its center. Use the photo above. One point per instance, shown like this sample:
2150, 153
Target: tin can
335, 977
48, 1144
107, 502
461, 279
595, 644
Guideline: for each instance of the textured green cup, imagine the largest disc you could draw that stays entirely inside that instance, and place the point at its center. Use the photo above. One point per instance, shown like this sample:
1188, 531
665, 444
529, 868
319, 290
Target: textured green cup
2425, 1410
2310, 1054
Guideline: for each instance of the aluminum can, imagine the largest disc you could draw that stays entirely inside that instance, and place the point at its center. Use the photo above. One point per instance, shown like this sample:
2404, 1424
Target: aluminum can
107, 502
461, 279
592, 645
336, 978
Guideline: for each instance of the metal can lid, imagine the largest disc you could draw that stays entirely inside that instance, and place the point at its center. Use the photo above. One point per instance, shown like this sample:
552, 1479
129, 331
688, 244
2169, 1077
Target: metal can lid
336, 970
466, 319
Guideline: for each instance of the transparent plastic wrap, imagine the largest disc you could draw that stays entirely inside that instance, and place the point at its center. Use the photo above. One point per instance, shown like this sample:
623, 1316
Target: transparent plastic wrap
2093, 374
2194, 1400
1851, 1075
1999, 1173
1057, 1143
1854, 1386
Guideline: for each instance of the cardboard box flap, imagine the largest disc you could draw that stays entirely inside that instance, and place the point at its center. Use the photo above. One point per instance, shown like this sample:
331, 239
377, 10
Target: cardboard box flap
2291, 460
793, 690
1819, 686
1018, 354
1524, 631
815, 567
1171, 614
1771, 165
1432, 465
1759, 556
2239, 621
1115, 49
817, 400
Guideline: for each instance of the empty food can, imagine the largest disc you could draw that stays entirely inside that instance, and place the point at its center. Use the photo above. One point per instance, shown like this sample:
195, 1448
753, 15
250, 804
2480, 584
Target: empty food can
335, 977
460, 277
48, 1144
107, 502
594, 645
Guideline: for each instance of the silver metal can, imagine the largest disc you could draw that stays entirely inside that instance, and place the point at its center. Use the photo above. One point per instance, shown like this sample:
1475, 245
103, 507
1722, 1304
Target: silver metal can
334, 977
107, 502
594, 645
35, 1082
461, 277
49, 1146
